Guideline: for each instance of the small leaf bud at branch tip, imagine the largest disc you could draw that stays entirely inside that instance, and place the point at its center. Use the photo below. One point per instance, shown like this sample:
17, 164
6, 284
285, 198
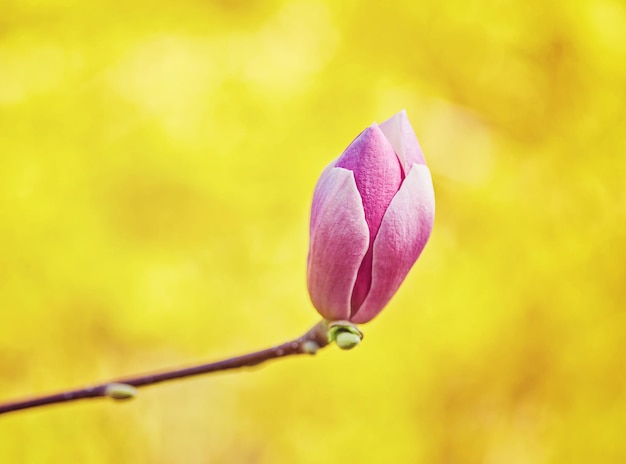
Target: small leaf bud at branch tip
347, 340
345, 333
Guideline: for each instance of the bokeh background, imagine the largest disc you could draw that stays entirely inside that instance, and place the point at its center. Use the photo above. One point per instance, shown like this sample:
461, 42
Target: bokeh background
157, 161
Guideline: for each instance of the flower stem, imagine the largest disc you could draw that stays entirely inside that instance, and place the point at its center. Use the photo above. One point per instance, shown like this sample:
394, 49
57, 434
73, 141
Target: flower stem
121, 389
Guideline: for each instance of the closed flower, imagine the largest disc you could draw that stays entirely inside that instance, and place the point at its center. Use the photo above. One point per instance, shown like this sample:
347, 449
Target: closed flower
372, 214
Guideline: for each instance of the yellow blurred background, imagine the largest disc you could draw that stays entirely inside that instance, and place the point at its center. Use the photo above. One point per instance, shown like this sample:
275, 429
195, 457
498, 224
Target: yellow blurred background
157, 161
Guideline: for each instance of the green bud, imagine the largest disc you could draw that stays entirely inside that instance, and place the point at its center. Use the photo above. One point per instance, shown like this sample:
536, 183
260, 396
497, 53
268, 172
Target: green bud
120, 391
345, 333
347, 340
310, 347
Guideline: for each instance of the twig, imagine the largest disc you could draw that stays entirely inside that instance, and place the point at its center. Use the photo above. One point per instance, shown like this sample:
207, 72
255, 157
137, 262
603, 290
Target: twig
319, 336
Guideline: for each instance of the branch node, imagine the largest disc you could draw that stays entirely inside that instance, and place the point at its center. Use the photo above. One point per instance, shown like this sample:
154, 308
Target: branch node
120, 391
310, 347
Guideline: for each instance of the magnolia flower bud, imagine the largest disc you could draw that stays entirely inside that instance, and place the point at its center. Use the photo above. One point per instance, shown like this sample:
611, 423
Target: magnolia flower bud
372, 214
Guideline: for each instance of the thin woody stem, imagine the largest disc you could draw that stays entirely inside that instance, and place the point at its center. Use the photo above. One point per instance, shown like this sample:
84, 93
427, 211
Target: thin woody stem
307, 344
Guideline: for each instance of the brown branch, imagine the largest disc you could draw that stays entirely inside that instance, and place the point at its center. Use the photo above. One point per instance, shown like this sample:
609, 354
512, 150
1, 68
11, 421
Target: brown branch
124, 388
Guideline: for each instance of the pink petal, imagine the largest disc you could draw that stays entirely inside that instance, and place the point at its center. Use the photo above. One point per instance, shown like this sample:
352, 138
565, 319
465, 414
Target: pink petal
339, 241
400, 134
324, 183
378, 174
401, 238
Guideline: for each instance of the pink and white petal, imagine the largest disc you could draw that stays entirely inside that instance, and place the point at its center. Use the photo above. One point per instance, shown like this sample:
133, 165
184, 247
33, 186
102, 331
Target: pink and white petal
377, 171
339, 241
401, 238
400, 134
324, 183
